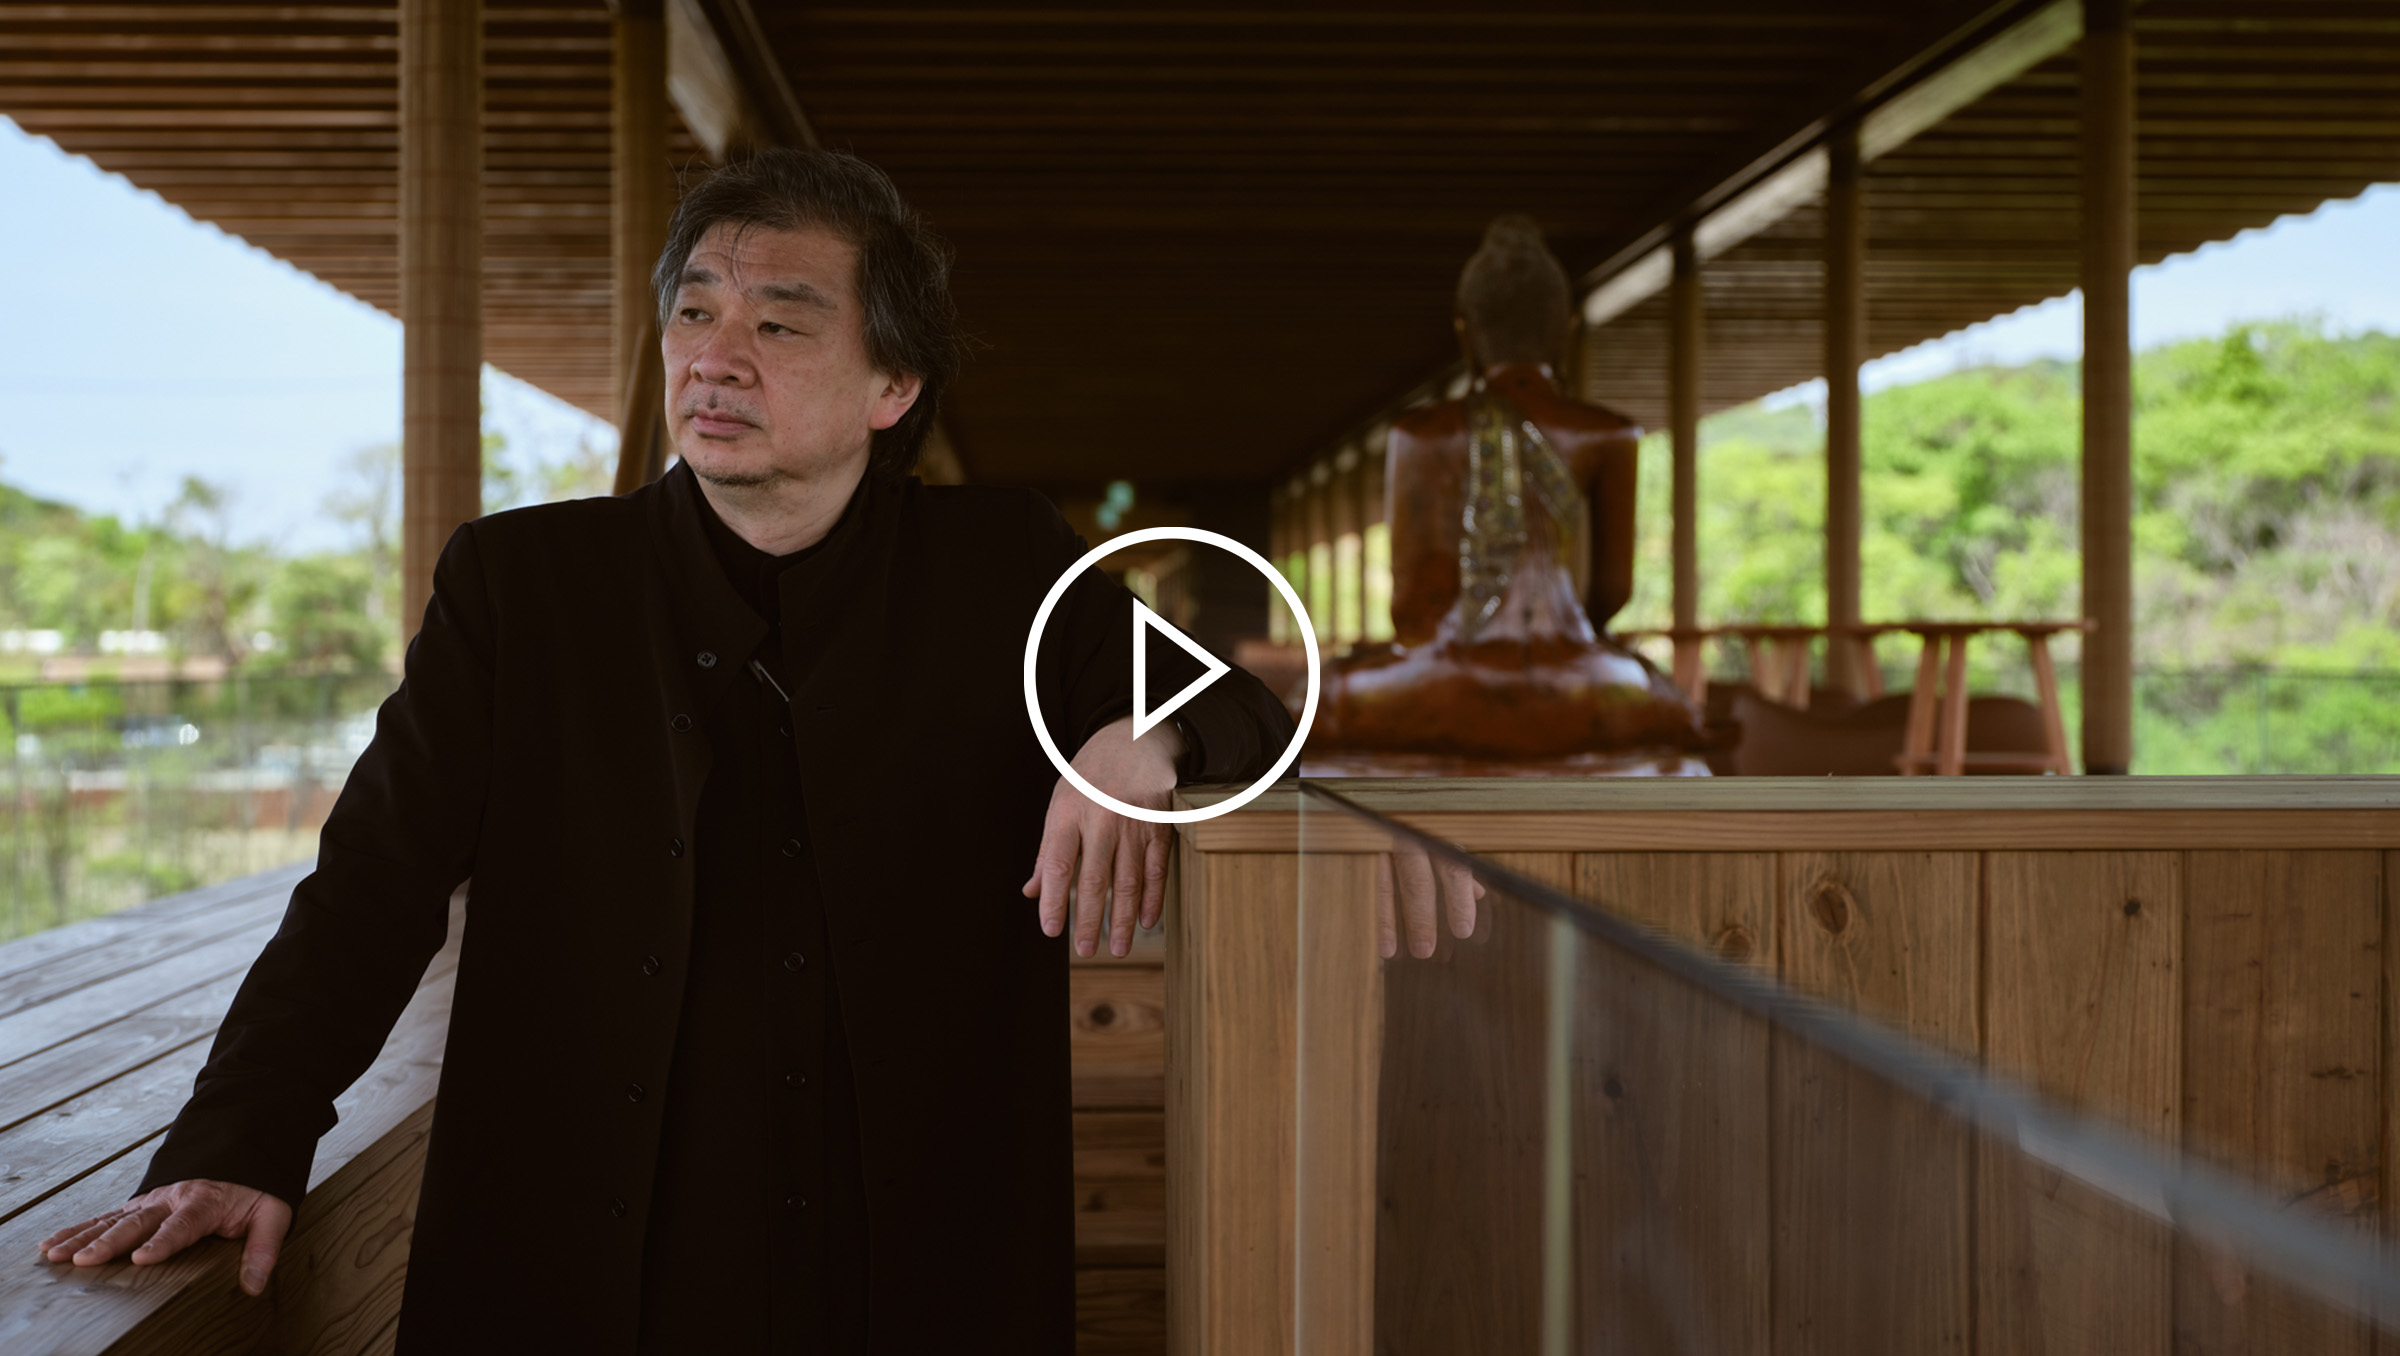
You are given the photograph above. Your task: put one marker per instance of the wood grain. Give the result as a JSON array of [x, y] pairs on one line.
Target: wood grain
[[1872, 1186], [1233, 953], [1673, 1136], [2282, 1017], [2064, 828], [45, 949], [32, 1030], [1341, 1054], [1120, 1188], [1457, 1256], [1117, 1035], [2083, 1001], [1120, 1311]]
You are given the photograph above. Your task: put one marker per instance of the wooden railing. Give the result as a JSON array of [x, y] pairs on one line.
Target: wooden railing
[[2210, 962], [104, 1024]]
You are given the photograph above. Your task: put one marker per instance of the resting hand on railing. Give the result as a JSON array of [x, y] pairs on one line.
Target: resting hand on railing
[[158, 1224], [1411, 888], [1094, 849]]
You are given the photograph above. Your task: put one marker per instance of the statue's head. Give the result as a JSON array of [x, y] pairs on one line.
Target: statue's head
[[1514, 302]]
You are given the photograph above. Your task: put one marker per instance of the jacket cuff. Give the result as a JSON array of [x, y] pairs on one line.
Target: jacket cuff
[[266, 1143]]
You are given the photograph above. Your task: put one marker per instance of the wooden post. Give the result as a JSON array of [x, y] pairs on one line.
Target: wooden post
[[1279, 551], [441, 285], [1845, 345], [641, 197], [1322, 585], [1349, 531], [2108, 259], [1683, 422]]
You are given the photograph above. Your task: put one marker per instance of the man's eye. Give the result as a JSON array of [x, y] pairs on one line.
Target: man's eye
[[693, 313], [771, 327]]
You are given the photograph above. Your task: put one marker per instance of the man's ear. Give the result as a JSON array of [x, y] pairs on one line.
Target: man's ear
[[896, 397]]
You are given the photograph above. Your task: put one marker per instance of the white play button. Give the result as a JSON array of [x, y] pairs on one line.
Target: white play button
[[1144, 622]]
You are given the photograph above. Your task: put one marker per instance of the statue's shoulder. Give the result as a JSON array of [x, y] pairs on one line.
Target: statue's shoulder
[[1439, 423]]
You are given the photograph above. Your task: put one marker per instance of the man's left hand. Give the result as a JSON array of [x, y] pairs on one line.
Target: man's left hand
[[1097, 850]]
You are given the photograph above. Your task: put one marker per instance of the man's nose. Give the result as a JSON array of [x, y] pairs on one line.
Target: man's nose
[[723, 359]]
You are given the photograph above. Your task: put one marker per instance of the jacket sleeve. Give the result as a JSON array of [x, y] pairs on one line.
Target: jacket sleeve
[[1084, 671], [322, 997]]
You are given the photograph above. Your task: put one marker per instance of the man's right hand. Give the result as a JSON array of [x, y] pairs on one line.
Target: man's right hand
[[158, 1224]]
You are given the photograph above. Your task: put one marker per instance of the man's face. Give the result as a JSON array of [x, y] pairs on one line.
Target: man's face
[[767, 371]]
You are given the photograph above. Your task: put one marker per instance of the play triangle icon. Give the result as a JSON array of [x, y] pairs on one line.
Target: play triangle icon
[[1144, 622]]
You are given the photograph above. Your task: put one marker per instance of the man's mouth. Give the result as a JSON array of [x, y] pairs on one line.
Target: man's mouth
[[717, 423]]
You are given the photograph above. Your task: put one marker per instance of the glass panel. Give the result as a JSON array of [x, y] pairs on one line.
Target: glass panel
[[1530, 1125]]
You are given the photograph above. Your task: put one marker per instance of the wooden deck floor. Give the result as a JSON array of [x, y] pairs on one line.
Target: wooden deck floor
[[103, 1025]]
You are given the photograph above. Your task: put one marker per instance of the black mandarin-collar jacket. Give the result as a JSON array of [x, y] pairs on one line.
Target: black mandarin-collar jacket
[[539, 744]]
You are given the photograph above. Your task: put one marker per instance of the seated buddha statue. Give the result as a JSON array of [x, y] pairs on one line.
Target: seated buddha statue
[[1493, 499]]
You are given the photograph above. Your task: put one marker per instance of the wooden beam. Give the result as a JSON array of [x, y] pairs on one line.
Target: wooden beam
[[642, 196], [441, 284], [2108, 261], [1683, 421], [706, 86], [1845, 341]]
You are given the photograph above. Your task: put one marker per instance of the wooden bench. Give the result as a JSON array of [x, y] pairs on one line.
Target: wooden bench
[[104, 1024]]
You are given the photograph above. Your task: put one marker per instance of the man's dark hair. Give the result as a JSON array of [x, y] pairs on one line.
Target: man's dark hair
[[903, 277]]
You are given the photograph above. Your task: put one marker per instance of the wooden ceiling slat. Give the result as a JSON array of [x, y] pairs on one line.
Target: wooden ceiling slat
[[1158, 207]]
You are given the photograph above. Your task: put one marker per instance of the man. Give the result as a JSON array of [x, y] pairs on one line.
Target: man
[[750, 1049]]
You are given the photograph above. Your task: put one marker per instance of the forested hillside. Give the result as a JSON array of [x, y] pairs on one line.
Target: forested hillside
[[2267, 535]]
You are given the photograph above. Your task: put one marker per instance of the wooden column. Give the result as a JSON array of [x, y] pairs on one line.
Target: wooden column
[[441, 284], [1279, 551], [2108, 259], [1845, 346], [1375, 598], [1683, 423], [1349, 530], [642, 196]]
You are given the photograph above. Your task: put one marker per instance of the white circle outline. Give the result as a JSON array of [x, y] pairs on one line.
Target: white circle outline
[[1033, 646]]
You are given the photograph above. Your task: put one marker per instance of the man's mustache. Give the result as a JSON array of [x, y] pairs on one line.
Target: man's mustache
[[718, 408]]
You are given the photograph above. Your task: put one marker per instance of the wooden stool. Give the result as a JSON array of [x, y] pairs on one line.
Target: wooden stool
[[1946, 707]]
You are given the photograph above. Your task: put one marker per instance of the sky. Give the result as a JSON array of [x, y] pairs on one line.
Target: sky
[[140, 347]]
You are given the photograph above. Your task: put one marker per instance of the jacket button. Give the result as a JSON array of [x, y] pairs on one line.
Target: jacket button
[[795, 1201], [633, 1092], [708, 659], [681, 723], [617, 1208], [784, 730], [650, 965], [674, 847], [795, 1079], [792, 847], [794, 961]]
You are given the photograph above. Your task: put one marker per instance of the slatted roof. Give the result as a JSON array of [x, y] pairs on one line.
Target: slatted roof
[[281, 124], [1199, 245], [2247, 110]]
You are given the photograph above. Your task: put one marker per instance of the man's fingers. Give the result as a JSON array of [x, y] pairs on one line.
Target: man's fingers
[[183, 1224], [269, 1221], [1460, 891], [1125, 900], [1387, 932], [1053, 867], [60, 1246], [1412, 873], [120, 1237], [1091, 882], [1154, 875]]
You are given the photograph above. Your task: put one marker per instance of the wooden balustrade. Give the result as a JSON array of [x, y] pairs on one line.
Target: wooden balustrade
[[2207, 961]]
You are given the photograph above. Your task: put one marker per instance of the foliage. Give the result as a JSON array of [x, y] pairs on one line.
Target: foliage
[[2266, 536]]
